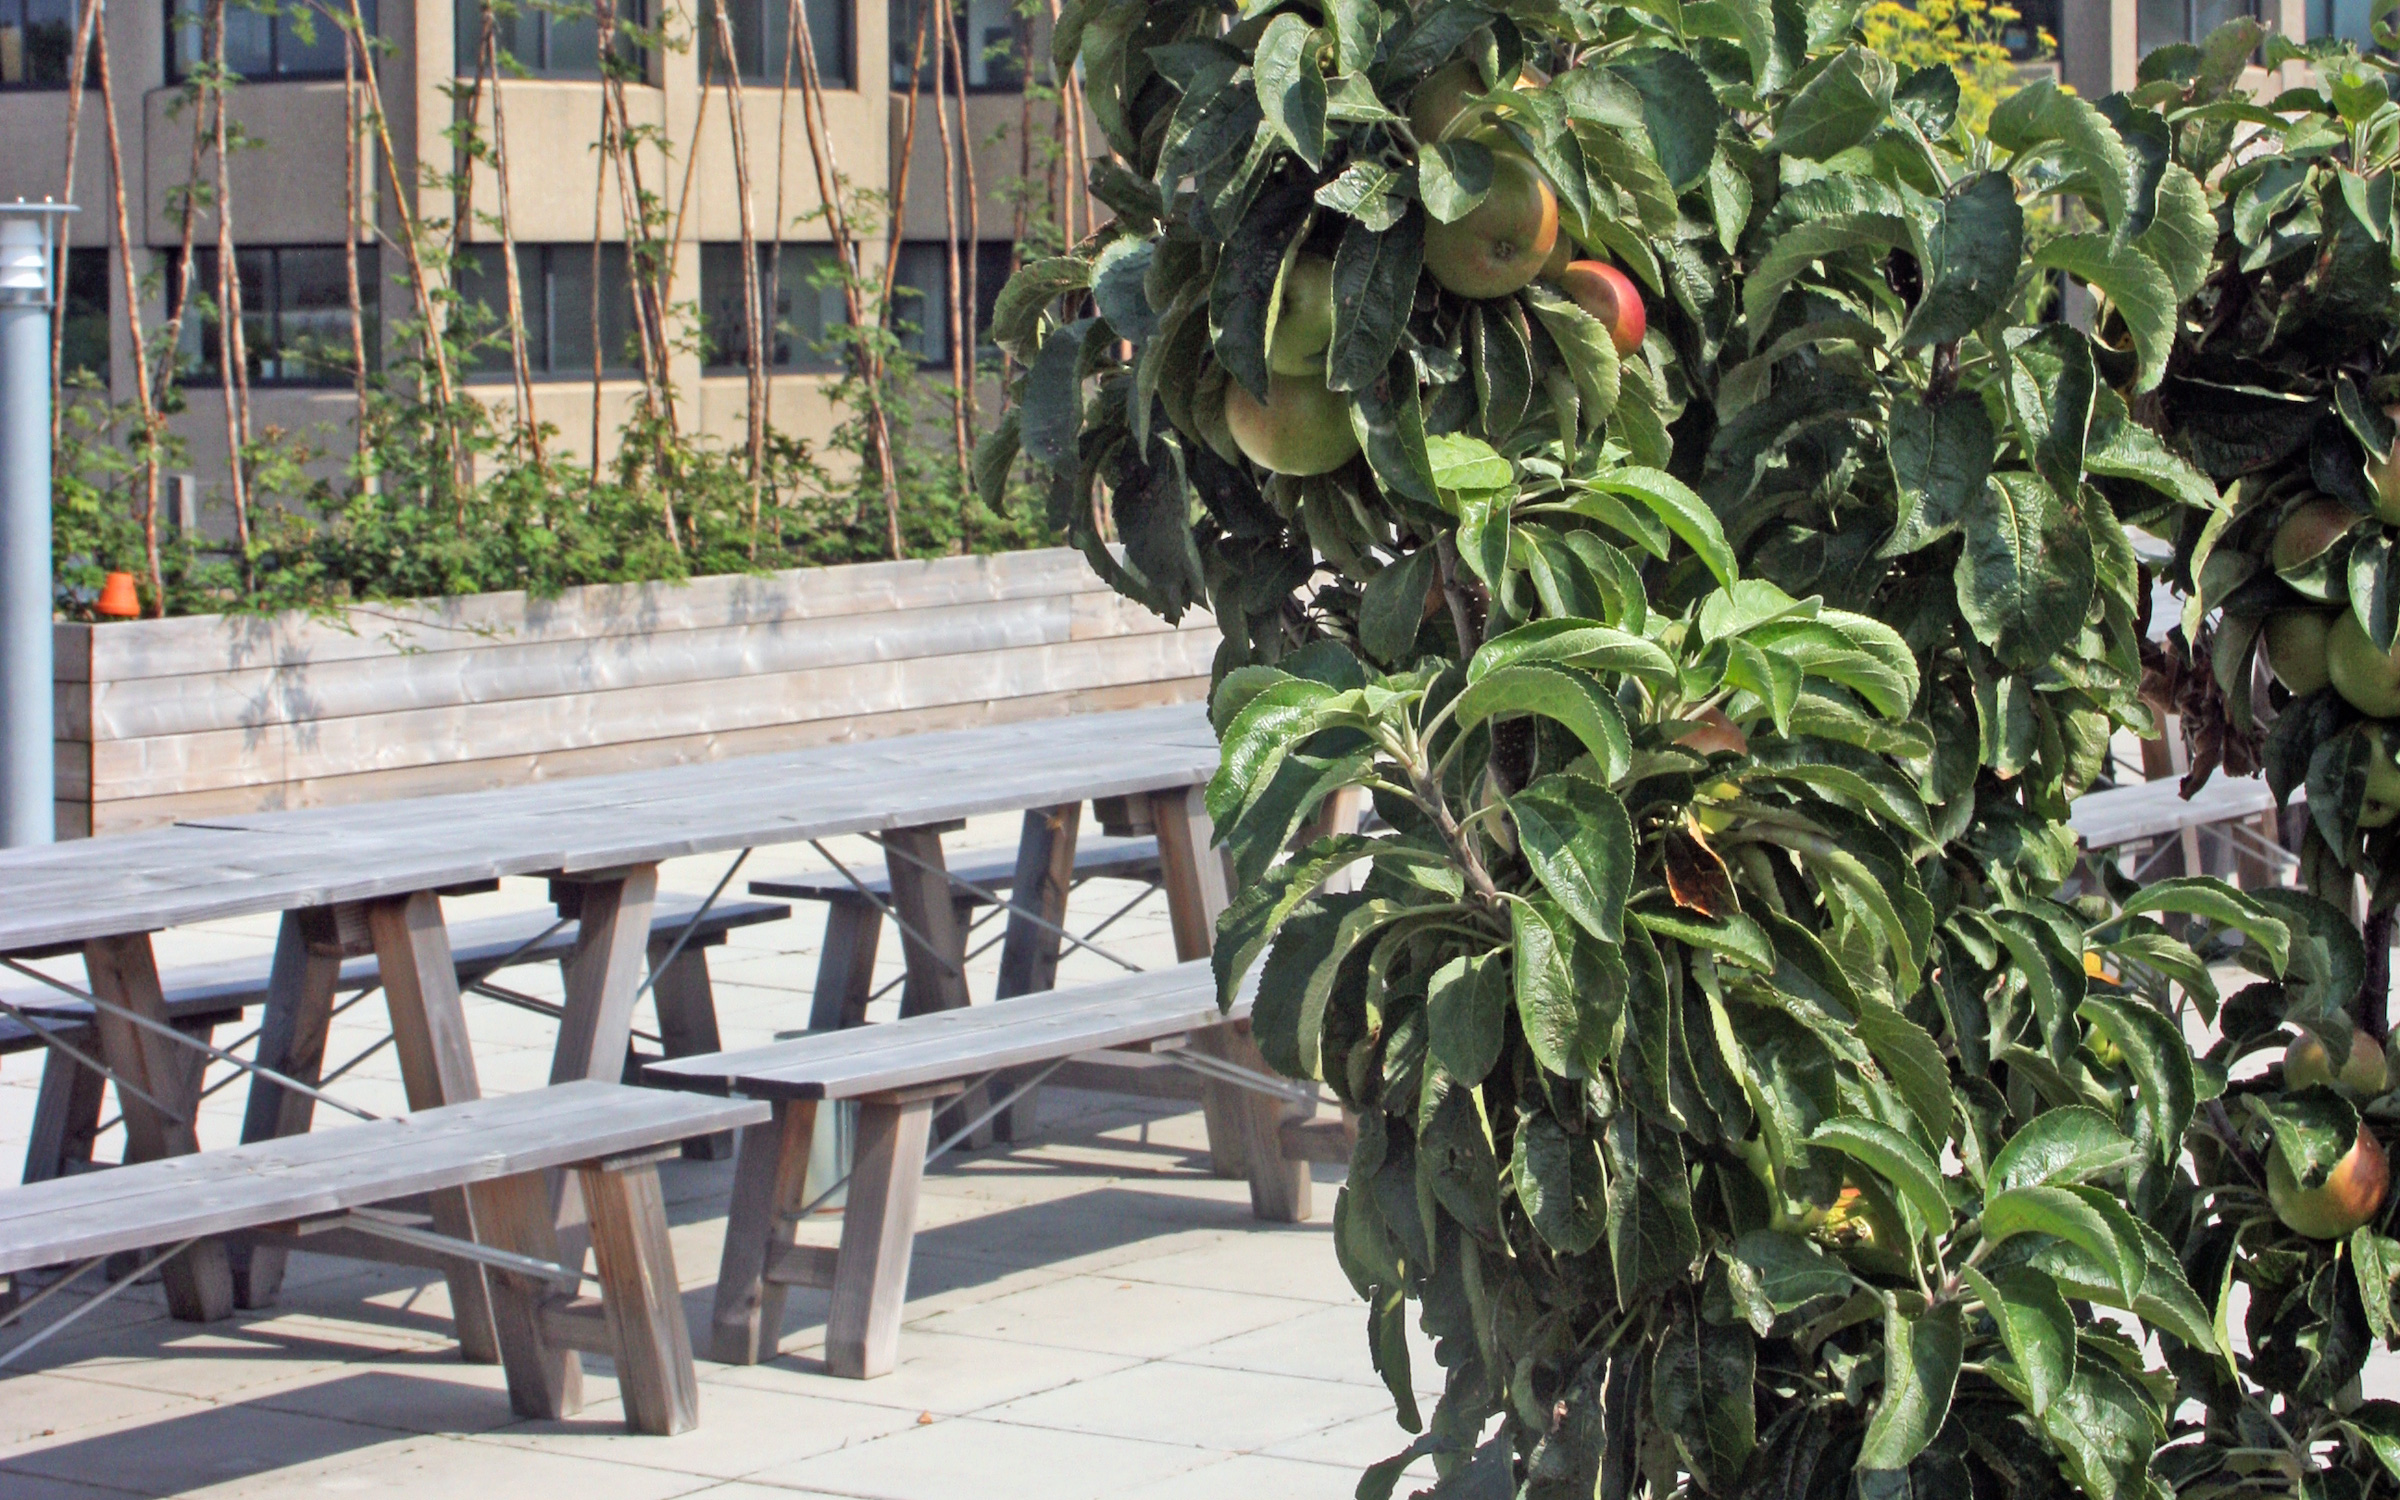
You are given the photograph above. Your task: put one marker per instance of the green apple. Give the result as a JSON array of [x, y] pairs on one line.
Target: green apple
[[2301, 542], [1303, 318], [2308, 1063], [2368, 678], [2347, 1199], [1301, 428], [1499, 246], [2295, 642]]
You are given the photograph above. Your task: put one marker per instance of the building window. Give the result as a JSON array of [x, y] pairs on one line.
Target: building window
[[807, 298], [2347, 19], [990, 33], [2035, 20], [921, 294], [302, 42], [295, 314], [763, 41], [37, 43], [546, 38], [2162, 23], [84, 294], [554, 283]]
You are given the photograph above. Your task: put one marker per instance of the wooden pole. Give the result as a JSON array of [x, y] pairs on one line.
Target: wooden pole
[[529, 430], [78, 64], [129, 283], [946, 43], [233, 352], [354, 192]]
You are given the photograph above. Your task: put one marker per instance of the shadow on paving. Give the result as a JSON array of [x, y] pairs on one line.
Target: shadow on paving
[[166, 1456]]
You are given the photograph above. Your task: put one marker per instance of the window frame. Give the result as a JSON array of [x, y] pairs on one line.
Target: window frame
[[91, 64], [937, 73], [204, 373], [992, 259], [106, 310], [2187, 33], [772, 78], [614, 366], [639, 59], [276, 73], [806, 359]]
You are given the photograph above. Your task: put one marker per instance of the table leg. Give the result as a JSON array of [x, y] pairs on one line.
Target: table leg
[[66, 1114], [291, 1040], [612, 942], [687, 1023], [437, 1067], [545, 1379], [640, 1298], [846, 968], [1029, 951], [124, 972], [926, 905]]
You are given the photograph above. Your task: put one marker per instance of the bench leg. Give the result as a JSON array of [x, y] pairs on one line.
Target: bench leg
[[687, 1023], [1197, 892], [879, 1229], [1028, 950], [124, 972], [640, 1298], [291, 1040], [66, 1114], [437, 1066], [770, 1170], [545, 1380], [846, 967], [1280, 1188]]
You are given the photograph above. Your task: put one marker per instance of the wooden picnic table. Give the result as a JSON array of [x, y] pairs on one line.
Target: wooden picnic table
[[368, 878]]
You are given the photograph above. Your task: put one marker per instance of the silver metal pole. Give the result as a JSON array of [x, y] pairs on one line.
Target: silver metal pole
[[27, 285]]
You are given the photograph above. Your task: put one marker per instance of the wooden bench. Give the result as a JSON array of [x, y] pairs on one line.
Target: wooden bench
[[313, 1192], [896, 1072], [203, 996], [2156, 811], [855, 911]]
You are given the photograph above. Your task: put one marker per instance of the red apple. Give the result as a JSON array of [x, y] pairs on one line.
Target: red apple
[[1609, 295]]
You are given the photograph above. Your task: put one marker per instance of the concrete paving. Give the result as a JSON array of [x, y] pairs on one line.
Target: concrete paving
[[1092, 1314]]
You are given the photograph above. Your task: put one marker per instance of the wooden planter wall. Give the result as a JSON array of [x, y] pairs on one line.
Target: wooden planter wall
[[200, 716]]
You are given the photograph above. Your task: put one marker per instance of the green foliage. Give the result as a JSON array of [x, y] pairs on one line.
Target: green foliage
[[1745, 1104]]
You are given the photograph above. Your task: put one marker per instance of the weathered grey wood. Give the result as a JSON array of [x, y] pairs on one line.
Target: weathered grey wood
[[805, 1265], [596, 1030], [132, 814], [437, 1067], [1129, 1073], [579, 1323], [1047, 862], [1093, 859], [123, 972], [846, 965], [687, 1019], [641, 1300], [770, 1171], [1196, 887], [66, 1114], [1328, 1140], [272, 862], [933, 942], [545, 1381], [291, 1040], [347, 1166], [964, 1043], [407, 737], [879, 1231]]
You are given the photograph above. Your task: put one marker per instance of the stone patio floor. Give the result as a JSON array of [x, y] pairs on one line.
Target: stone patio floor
[[1093, 1314]]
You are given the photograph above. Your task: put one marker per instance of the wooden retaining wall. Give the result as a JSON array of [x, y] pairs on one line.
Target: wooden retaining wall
[[181, 718]]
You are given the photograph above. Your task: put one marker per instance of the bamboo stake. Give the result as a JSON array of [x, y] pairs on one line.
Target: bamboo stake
[[419, 284], [908, 155], [945, 28], [820, 148], [648, 311], [153, 422], [528, 429], [753, 366], [604, 22], [233, 351], [58, 307], [354, 192], [974, 299]]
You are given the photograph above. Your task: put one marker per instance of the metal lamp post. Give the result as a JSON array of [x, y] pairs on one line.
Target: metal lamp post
[[28, 286]]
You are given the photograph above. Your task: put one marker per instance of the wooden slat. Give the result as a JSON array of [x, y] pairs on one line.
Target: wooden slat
[[134, 814], [212, 643], [275, 861], [345, 1166], [957, 1044], [1097, 858], [276, 752], [804, 1265], [2153, 809], [508, 670]]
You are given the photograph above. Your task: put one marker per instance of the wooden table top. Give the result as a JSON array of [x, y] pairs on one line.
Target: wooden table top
[[277, 861]]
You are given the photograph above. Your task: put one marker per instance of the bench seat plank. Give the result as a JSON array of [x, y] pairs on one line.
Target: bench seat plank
[[1097, 858], [963, 1043], [214, 1192]]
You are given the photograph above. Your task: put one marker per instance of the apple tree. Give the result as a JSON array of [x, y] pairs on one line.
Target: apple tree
[[1629, 441]]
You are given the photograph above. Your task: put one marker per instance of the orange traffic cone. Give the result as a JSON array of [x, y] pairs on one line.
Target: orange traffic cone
[[117, 598]]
